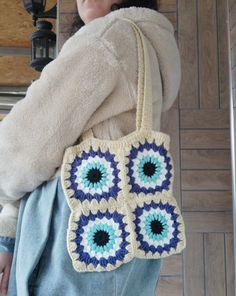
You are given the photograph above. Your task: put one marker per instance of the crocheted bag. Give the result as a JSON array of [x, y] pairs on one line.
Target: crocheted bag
[[120, 191]]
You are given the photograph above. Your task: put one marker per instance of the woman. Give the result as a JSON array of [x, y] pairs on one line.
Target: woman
[[91, 84]]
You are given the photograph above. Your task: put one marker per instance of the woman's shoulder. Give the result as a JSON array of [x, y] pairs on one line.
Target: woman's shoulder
[[111, 34], [101, 28], [116, 32], [113, 21]]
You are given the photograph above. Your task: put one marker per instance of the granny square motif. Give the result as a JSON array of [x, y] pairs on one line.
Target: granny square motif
[[98, 174], [120, 192], [149, 168]]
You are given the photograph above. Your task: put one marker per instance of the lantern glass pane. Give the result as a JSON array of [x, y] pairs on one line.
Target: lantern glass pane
[[51, 51], [40, 47], [33, 51]]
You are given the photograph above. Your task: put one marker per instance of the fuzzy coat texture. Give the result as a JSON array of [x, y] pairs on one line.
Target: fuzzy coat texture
[[92, 83]]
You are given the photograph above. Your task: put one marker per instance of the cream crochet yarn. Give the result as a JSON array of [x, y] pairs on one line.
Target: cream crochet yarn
[[120, 192]]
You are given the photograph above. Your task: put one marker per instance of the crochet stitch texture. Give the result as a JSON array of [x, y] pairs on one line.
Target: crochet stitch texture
[[120, 192]]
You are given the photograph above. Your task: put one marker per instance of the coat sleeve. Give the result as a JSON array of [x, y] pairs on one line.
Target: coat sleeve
[[51, 117], [8, 223]]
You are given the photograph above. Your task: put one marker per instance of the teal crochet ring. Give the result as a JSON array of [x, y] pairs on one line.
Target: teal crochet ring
[[94, 175], [150, 168], [157, 227], [101, 239]]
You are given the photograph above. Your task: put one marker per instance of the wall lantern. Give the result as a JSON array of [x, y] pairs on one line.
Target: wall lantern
[[43, 45], [43, 41]]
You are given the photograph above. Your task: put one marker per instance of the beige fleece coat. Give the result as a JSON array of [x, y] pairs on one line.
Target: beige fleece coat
[[91, 83]]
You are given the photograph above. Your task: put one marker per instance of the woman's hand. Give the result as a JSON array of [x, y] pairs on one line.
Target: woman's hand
[[5, 267]]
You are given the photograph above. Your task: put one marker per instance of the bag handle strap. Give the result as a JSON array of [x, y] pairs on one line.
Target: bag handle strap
[[144, 116], [144, 100]]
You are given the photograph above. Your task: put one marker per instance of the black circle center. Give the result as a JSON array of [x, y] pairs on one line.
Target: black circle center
[[156, 227], [94, 175], [149, 169], [101, 238]]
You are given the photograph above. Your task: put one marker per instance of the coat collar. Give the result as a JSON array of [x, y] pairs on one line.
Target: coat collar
[[141, 14], [158, 30], [136, 14]]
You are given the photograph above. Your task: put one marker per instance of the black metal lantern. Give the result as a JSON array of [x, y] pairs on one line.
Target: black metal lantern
[[43, 40], [43, 45], [35, 6], [36, 9]]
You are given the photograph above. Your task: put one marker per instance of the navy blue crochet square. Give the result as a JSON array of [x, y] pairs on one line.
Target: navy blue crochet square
[[149, 168], [101, 238], [94, 175], [156, 227]]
